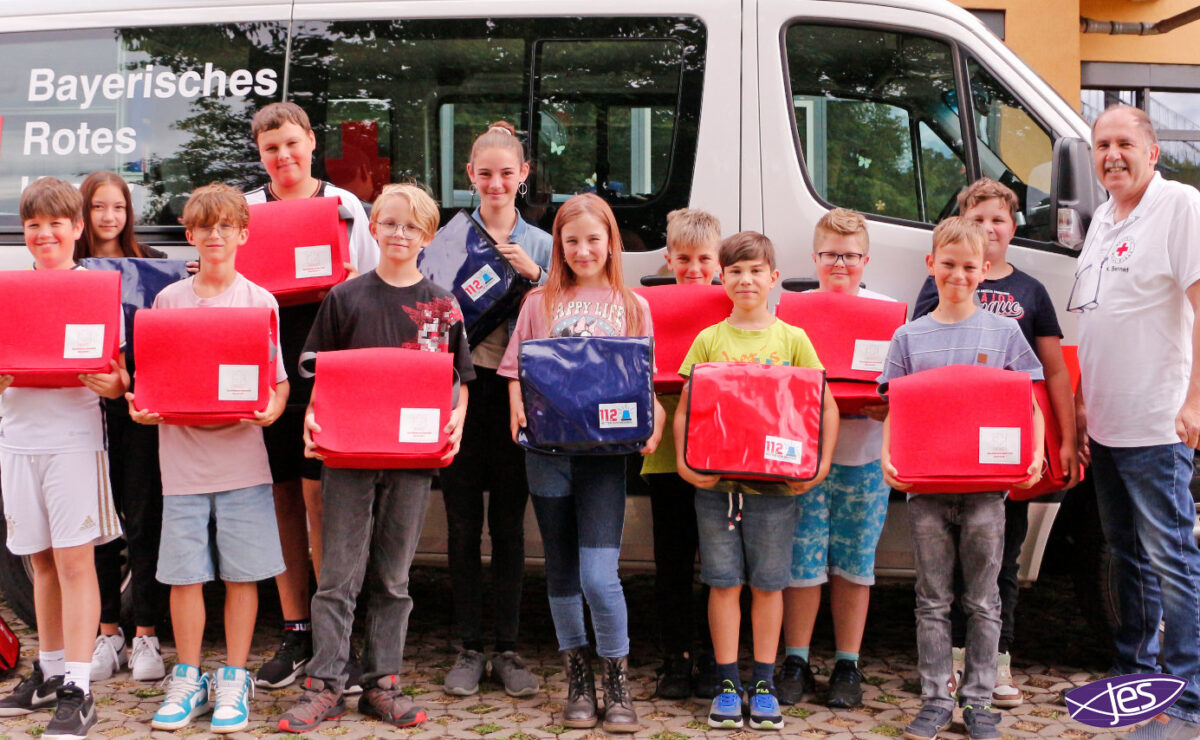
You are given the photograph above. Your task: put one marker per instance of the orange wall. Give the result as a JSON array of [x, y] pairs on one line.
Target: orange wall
[[1181, 46]]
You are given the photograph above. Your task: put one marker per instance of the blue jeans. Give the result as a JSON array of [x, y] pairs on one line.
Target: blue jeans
[[580, 507], [1147, 512]]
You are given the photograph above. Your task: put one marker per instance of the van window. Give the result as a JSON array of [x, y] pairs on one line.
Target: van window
[[876, 119], [168, 108], [605, 105]]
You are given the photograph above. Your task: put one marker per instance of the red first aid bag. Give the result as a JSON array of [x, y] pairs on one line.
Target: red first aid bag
[[679, 313], [297, 248], [57, 325], [203, 366], [383, 408], [10, 647], [961, 429], [1055, 476], [755, 422], [851, 335]]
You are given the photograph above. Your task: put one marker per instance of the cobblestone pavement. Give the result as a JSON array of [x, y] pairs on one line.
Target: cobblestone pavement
[[1054, 651]]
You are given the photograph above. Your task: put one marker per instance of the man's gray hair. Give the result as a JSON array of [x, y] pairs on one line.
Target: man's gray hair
[[1140, 118]]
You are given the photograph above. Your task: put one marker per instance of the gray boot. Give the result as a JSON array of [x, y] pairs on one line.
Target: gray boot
[[619, 714], [580, 707]]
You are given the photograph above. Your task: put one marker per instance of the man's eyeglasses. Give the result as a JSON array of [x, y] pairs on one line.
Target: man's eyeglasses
[[849, 259], [222, 230], [408, 231]]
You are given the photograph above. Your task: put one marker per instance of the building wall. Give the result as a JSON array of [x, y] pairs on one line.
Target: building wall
[[1181, 46]]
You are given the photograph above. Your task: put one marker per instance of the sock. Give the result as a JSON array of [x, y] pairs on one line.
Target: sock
[[843, 655], [53, 663], [729, 672], [801, 652], [505, 646], [79, 674], [297, 625], [763, 672]]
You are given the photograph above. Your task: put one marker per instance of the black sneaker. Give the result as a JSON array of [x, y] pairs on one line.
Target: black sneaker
[[33, 692], [706, 676], [289, 661], [794, 680], [674, 678], [845, 685], [74, 716]]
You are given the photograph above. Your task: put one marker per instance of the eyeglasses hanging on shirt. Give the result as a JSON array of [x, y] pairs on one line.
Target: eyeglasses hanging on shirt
[[1085, 293]]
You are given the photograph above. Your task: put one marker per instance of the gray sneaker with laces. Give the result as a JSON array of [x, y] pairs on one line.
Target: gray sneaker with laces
[[463, 678], [508, 669]]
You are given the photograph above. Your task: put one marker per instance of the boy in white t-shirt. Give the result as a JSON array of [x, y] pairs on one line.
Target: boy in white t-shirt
[[839, 521], [215, 473], [57, 502]]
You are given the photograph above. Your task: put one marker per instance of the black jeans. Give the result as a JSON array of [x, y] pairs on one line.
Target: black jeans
[[1016, 526], [137, 493], [672, 504], [488, 460]]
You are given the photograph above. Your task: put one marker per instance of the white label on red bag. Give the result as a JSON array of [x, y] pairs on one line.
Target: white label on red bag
[[420, 425], [869, 355], [781, 449], [999, 445], [481, 282], [237, 382], [314, 262], [83, 342], [618, 415]]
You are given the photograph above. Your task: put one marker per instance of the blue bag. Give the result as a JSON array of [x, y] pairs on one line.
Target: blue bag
[[141, 281], [587, 395], [463, 259]]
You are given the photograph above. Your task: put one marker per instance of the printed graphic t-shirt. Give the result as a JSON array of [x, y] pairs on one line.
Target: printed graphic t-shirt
[[1018, 296]]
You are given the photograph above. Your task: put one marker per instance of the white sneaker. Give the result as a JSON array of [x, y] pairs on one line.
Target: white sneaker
[[108, 655], [145, 659], [1006, 695]]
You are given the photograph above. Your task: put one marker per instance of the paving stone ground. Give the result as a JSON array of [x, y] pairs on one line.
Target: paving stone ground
[[1054, 651]]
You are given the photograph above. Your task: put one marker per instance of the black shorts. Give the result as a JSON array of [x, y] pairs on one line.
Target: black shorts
[[285, 448]]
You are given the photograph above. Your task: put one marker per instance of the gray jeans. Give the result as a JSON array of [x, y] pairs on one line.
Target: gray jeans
[[970, 528], [371, 523]]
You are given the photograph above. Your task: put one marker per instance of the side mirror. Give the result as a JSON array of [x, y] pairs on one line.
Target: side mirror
[[1074, 191]]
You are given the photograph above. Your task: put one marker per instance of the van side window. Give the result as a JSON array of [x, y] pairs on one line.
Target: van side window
[[605, 105], [167, 107], [876, 119]]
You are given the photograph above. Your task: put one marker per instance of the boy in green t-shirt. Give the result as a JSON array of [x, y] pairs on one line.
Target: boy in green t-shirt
[[748, 539]]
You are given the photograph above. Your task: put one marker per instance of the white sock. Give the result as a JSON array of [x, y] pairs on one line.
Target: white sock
[[79, 674], [52, 662]]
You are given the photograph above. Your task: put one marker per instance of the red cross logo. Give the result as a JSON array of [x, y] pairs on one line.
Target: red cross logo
[[1121, 250]]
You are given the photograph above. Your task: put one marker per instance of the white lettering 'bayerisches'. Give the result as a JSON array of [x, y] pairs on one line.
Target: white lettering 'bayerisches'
[[45, 84]]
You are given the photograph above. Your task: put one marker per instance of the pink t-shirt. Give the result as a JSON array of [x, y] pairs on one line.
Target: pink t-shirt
[[587, 312], [224, 458]]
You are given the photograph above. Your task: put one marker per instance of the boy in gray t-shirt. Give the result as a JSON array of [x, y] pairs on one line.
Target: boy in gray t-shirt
[[957, 333]]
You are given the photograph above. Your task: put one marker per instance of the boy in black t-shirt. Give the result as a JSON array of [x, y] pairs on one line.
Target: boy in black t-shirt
[[392, 306], [1007, 291]]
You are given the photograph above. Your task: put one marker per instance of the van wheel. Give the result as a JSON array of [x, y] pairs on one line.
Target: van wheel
[[1093, 572]]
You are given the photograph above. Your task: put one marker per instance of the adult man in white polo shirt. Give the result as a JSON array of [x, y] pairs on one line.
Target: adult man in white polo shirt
[[1138, 288]]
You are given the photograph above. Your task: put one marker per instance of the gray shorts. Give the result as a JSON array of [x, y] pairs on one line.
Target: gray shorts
[[756, 550], [247, 540]]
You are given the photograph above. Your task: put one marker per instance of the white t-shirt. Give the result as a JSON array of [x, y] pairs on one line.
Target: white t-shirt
[[364, 251], [860, 439], [214, 459], [1135, 346]]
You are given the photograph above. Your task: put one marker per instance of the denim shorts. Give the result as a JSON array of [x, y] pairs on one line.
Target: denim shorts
[[839, 526], [757, 549], [247, 537]]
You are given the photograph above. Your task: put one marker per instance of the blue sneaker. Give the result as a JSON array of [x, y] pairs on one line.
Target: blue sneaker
[[726, 710], [232, 710], [187, 698], [764, 707]]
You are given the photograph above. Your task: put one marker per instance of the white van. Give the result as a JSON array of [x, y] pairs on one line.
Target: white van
[[764, 112]]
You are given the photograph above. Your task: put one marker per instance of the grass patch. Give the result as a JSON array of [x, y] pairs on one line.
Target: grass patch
[[481, 708], [874, 680], [518, 735], [554, 729], [411, 690], [37, 730], [668, 735], [697, 725], [887, 730], [487, 729], [147, 693], [798, 712], [888, 698]]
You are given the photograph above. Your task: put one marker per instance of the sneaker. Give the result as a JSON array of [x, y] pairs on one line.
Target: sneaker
[[981, 724], [957, 662], [188, 697], [108, 656], [145, 659], [794, 680], [763, 707], [508, 669], [231, 710], [931, 720], [845, 685], [74, 715], [316, 705], [1006, 695], [726, 710], [463, 678], [674, 678], [354, 674], [387, 702], [33, 692], [706, 676], [288, 662]]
